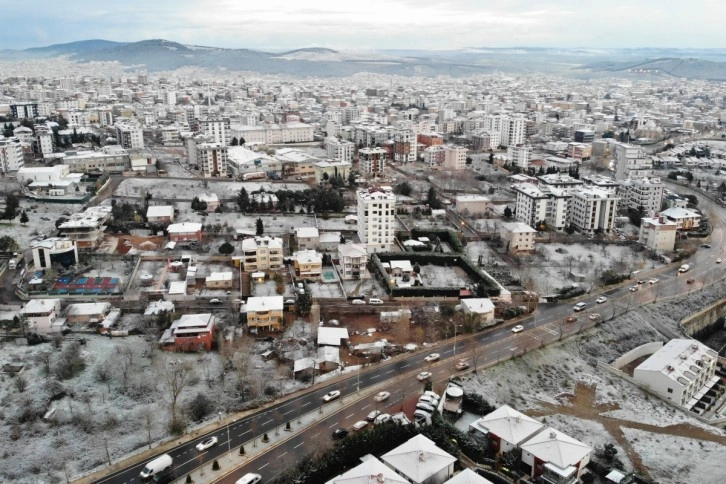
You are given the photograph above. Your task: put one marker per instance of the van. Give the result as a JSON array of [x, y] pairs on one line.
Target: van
[[579, 306], [375, 301], [156, 466], [249, 478], [425, 407]]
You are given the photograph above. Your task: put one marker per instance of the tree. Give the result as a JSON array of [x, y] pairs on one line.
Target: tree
[[243, 200], [8, 244], [8, 130], [326, 177], [403, 188], [234, 142], [305, 300], [491, 158], [226, 248], [176, 377], [432, 199], [351, 179], [507, 212], [260, 228], [198, 205], [469, 160], [12, 202], [241, 141]]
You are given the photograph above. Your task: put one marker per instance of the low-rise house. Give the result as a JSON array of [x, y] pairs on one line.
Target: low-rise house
[[332, 336], [329, 241], [352, 259], [308, 264], [307, 237], [262, 253], [468, 476], [504, 429], [472, 204], [480, 310], [157, 307], [420, 461], [370, 471], [54, 251], [211, 200], [160, 214], [685, 219], [191, 332], [555, 457], [185, 231], [517, 237], [85, 313], [41, 314], [219, 280], [658, 234], [265, 312]]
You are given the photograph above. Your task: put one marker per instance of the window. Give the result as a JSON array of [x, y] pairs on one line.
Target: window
[[670, 390]]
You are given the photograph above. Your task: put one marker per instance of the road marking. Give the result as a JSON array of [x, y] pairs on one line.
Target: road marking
[[283, 454], [375, 376], [305, 404], [298, 445], [390, 371], [289, 411], [263, 466], [334, 425], [349, 416], [404, 366], [366, 406], [267, 421]]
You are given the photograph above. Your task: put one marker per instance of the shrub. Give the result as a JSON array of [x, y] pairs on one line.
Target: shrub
[[215, 465]]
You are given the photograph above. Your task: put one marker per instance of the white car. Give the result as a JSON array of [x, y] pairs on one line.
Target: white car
[[424, 375], [518, 329], [381, 419], [594, 316], [601, 299], [206, 443], [358, 301], [633, 288], [579, 306], [330, 396], [372, 416], [380, 396], [432, 357], [375, 301], [718, 261], [654, 281], [360, 425], [215, 301]]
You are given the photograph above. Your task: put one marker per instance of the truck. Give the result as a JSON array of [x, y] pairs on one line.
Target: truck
[[156, 466], [684, 268]]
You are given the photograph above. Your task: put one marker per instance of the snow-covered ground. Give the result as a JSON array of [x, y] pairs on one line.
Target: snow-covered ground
[[188, 189]]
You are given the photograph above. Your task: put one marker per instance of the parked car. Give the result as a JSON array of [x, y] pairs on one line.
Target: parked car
[[430, 400], [518, 329], [358, 301], [206, 443], [641, 281], [425, 407], [380, 396], [372, 415], [215, 301], [432, 357], [654, 281], [340, 433], [432, 394], [375, 301], [705, 246], [601, 299], [381, 419], [718, 261], [332, 395], [360, 425], [424, 375], [249, 478], [419, 414]]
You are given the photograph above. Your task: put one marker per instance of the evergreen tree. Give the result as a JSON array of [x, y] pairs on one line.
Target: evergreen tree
[[24, 217], [507, 212], [260, 229], [243, 200], [234, 142]]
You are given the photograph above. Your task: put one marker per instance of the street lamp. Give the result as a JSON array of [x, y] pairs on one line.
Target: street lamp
[[357, 378]]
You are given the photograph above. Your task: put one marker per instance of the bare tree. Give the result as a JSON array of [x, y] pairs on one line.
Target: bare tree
[[125, 361], [146, 415], [176, 376]]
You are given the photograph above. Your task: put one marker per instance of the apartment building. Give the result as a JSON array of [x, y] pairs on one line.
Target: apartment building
[[41, 314], [217, 130], [474, 205], [372, 161], [454, 158], [45, 141], [86, 229], [307, 237], [512, 130], [517, 237], [308, 264], [352, 259], [264, 312], [646, 192], [331, 168], [296, 162], [430, 139], [339, 149], [685, 219], [212, 159], [111, 159], [376, 210], [191, 332], [267, 134], [536, 204], [519, 155], [606, 183], [262, 253], [658, 234], [631, 162], [681, 371], [434, 156], [130, 135], [404, 146], [592, 209], [579, 151], [11, 155]]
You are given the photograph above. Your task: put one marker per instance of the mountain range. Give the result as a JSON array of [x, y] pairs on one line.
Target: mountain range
[[165, 55]]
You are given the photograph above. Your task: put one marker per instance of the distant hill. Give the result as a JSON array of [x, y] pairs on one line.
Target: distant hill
[[162, 55]]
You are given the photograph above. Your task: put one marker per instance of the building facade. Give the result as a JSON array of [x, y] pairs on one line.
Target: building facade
[[262, 253], [376, 209]]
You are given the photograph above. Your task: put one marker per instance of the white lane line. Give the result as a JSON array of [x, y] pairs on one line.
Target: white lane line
[[298, 445], [289, 411], [390, 371], [334, 425], [283, 454], [349, 416], [375, 376], [263, 466], [366, 406], [267, 421], [305, 404]]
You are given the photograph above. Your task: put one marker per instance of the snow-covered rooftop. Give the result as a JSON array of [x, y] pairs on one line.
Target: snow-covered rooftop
[[509, 424], [552, 446], [418, 458], [331, 336], [264, 303]]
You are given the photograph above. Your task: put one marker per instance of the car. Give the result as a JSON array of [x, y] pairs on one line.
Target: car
[[382, 418], [594, 316], [429, 400], [705, 246], [360, 425], [432, 357], [432, 394], [633, 288], [641, 281], [579, 306], [380, 396], [215, 301], [372, 416], [249, 478], [690, 281], [718, 261], [424, 375], [654, 281], [571, 319], [164, 477], [358, 301], [462, 365], [331, 395], [207, 443], [375, 301], [290, 302], [601, 299], [340, 433], [518, 329], [419, 414]]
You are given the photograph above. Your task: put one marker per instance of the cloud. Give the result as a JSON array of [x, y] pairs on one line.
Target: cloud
[[379, 24]]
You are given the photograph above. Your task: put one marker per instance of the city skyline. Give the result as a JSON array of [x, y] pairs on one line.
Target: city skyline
[[373, 25]]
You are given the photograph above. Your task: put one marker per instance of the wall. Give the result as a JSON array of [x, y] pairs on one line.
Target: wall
[[635, 353], [703, 318]]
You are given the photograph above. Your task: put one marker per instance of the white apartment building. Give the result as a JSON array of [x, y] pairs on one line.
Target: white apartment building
[[129, 135], [212, 159], [86, 229], [352, 259], [542, 203], [376, 218], [454, 157], [11, 155], [519, 155], [434, 155], [339, 149], [658, 234], [604, 182], [404, 146], [631, 162], [216, 130], [294, 132], [372, 161], [643, 192], [592, 209], [262, 253], [472, 204], [512, 130], [44, 141], [682, 371], [517, 237]]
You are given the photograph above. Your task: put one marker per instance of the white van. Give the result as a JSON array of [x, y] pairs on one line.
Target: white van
[[153, 467], [375, 301], [579, 306], [249, 478]]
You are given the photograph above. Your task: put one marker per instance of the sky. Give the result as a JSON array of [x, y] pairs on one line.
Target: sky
[[369, 24]]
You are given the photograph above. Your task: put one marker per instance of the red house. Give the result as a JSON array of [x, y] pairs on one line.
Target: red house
[[191, 332], [185, 231]]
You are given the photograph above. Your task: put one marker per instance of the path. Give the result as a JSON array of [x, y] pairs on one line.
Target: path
[[583, 406]]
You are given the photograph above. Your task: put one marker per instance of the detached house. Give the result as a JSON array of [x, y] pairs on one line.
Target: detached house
[[41, 314], [555, 457], [191, 332]]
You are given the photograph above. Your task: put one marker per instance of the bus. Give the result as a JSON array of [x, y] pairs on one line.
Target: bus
[[257, 175]]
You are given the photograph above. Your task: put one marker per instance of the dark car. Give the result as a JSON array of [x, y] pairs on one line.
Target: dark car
[[164, 477], [340, 433]]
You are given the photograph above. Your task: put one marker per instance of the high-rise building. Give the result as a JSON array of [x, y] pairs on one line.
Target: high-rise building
[[372, 161], [592, 209], [645, 193], [216, 129], [130, 135], [454, 157], [631, 162], [404, 146], [24, 110], [11, 155], [512, 131], [212, 159], [376, 218], [338, 149], [519, 155]]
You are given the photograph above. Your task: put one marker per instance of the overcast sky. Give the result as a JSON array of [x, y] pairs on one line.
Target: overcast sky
[[369, 24]]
